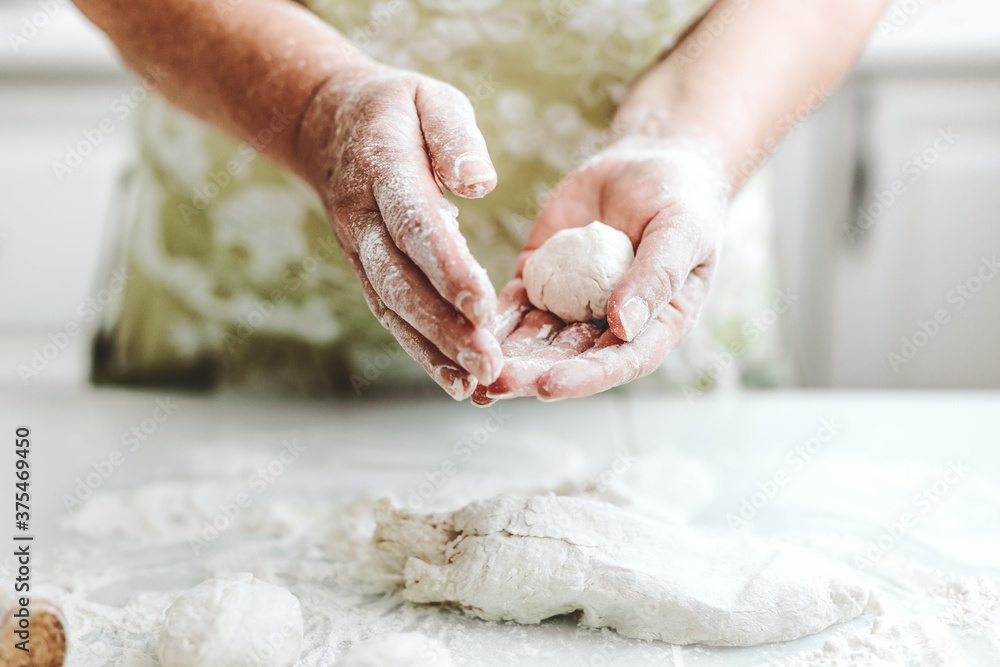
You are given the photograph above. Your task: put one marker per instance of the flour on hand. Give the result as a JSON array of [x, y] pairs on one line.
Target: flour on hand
[[574, 272], [232, 622], [525, 560]]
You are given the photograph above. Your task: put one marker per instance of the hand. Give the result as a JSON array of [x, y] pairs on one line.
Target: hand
[[376, 142], [668, 196]]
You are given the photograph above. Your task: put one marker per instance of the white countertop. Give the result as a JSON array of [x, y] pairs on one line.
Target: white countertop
[[886, 447]]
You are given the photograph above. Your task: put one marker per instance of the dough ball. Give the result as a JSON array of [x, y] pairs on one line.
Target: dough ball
[[232, 622], [399, 649], [573, 273]]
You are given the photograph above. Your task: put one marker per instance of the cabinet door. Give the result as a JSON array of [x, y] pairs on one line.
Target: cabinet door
[[888, 207], [916, 293]]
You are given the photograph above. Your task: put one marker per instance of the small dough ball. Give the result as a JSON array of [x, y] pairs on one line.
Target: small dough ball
[[573, 273], [232, 622], [399, 649]]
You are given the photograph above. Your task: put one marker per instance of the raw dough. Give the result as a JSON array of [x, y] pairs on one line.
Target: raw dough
[[399, 649], [574, 272], [526, 559], [232, 622]]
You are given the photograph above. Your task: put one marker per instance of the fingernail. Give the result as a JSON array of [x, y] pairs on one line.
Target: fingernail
[[474, 310], [471, 170], [454, 382], [633, 316], [477, 364]]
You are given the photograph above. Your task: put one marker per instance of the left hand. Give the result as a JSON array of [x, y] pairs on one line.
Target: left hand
[[668, 196]]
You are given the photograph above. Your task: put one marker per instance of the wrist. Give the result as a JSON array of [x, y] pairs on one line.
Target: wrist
[[644, 136], [319, 120], [658, 106]]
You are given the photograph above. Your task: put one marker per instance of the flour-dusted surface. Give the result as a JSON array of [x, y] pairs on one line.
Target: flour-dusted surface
[[233, 621], [398, 649], [309, 530], [528, 559]]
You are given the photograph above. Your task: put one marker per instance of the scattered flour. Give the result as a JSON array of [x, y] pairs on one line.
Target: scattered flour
[[156, 513], [400, 649], [116, 589], [893, 637], [235, 621]]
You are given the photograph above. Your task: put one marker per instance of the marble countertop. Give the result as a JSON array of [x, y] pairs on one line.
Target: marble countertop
[[851, 463]]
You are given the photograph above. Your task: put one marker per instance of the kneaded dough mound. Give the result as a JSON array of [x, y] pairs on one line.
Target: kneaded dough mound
[[526, 559], [573, 273], [232, 622]]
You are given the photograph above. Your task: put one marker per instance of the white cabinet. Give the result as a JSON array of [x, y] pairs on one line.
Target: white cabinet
[[889, 211], [58, 88]]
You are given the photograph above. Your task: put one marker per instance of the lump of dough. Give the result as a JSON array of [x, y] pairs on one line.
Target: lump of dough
[[399, 649], [574, 272], [232, 622], [527, 559]]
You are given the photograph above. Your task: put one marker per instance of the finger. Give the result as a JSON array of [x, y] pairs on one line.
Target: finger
[[404, 290], [512, 305], [520, 374], [422, 224], [456, 381], [456, 146], [521, 355], [613, 362], [480, 399], [671, 247]]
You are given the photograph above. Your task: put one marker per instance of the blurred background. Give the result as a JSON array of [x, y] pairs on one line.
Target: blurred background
[[885, 204]]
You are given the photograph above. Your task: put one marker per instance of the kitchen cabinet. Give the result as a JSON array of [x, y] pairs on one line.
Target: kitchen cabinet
[[888, 208]]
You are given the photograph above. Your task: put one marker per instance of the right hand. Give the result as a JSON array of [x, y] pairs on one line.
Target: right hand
[[375, 142]]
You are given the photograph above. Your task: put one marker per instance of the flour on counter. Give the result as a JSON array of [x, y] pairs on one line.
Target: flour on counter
[[893, 637], [115, 590], [233, 621], [511, 558], [398, 649], [156, 513]]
